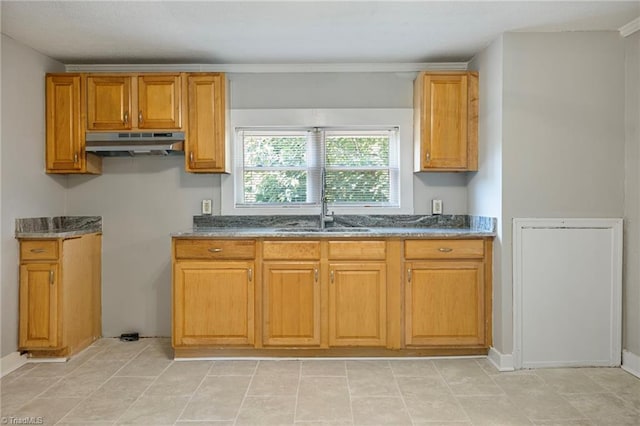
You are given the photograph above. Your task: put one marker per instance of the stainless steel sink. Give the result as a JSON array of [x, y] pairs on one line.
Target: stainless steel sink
[[298, 229], [347, 230], [333, 230]]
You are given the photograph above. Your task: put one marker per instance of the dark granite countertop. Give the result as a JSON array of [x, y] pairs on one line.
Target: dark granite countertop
[[351, 226], [57, 227]]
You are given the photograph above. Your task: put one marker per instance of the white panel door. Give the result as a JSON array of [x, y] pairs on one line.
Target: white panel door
[[567, 290]]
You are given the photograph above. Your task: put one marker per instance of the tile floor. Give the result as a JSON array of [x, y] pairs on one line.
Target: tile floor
[[137, 383]]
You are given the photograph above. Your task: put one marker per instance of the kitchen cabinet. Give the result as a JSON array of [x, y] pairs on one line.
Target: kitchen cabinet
[[112, 105], [447, 302], [331, 296], [60, 294], [446, 121], [291, 293], [213, 292], [206, 148], [65, 141], [357, 293]]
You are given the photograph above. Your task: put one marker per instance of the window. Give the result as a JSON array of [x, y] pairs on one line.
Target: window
[[284, 167]]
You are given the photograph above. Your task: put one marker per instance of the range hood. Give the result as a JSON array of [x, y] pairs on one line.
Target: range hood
[[121, 144]]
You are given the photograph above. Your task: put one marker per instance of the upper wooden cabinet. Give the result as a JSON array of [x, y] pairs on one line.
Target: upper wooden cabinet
[[64, 114], [205, 150], [111, 104], [446, 121]]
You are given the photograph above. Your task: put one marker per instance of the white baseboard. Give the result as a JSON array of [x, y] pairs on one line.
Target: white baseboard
[[11, 362], [501, 361], [631, 363]]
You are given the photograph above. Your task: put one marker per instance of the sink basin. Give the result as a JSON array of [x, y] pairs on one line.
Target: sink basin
[[298, 229], [338, 230], [347, 230]]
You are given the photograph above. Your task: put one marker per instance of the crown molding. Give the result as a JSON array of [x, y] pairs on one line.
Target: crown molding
[[271, 68], [630, 28]]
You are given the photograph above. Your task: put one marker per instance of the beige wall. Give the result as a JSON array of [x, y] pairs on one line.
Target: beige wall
[[485, 185], [631, 290], [562, 138], [26, 190]]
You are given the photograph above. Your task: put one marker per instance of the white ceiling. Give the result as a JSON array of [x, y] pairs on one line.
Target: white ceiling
[[268, 32]]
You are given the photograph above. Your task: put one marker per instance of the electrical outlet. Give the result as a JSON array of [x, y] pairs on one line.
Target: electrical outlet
[[436, 206], [206, 206]]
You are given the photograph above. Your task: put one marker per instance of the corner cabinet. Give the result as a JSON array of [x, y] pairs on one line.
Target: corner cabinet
[[446, 121], [65, 135], [60, 295], [206, 149]]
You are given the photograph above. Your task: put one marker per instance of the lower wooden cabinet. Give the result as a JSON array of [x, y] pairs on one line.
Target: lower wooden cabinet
[[331, 297], [39, 305], [447, 293], [291, 300], [60, 294], [357, 304], [213, 303], [444, 303]]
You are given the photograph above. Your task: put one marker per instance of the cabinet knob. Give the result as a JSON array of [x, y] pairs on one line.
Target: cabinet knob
[[250, 272], [215, 250], [140, 120], [409, 274], [428, 156], [315, 274], [75, 157], [37, 250], [445, 249], [51, 277], [191, 157], [331, 276], [125, 120]]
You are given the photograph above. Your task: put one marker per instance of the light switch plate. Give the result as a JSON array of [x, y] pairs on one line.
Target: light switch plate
[[436, 206], [206, 206]]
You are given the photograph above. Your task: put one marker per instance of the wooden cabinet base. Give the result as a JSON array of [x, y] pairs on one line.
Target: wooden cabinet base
[[63, 352], [222, 352]]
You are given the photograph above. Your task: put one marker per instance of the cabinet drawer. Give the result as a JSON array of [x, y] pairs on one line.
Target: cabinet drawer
[[291, 250], [39, 250], [356, 250], [443, 249], [215, 249]]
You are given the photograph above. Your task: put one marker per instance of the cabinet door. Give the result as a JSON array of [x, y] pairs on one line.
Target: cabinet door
[[38, 305], [445, 135], [159, 102], [205, 150], [65, 139], [448, 121], [444, 303], [213, 303], [291, 303], [357, 304], [109, 103]]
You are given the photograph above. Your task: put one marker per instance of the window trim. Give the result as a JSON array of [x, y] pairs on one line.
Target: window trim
[[334, 118]]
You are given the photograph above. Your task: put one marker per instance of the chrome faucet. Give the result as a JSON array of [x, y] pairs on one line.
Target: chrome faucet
[[325, 216]]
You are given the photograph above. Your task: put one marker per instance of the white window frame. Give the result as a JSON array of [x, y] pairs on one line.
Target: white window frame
[[402, 118]]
